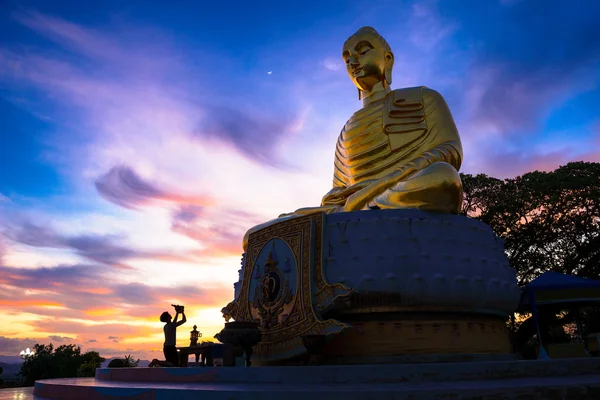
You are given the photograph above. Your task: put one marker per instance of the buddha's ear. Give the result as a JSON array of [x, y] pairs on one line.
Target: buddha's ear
[[360, 94], [389, 65]]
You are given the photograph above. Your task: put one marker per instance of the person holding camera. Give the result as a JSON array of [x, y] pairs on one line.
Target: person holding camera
[[170, 329]]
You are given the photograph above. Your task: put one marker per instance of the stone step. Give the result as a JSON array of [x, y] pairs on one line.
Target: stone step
[[584, 387], [379, 373]]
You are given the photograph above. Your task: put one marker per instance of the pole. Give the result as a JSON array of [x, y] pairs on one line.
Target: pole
[[542, 354], [582, 336]]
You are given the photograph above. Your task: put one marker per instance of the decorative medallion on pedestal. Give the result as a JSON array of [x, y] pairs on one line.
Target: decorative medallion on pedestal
[[272, 295], [284, 288]]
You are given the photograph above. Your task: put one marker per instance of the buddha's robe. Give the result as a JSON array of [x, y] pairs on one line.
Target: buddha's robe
[[402, 151]]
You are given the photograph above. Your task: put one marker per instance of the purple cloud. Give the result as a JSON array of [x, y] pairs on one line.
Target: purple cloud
[[121, 185], [73, 276], [104, 249], [255, 133], [115, 339], [60, 339], [204, 226], [2, 251], [521, 73], [13, 346], [135, 293], [135, 76], [187, 214]]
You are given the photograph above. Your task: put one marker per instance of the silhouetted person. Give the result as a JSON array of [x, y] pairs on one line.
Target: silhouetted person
[[194, 335], [170, 329]]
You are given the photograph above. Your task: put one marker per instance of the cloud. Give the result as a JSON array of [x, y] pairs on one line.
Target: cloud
[[188, 214], [60, 339], [333, 64], [520, 74], [48, 278], [95, 293], [255, 132], [2, 251], [138, 84], [104, 249], [73, 303], [206, 227], [428, 28], [123, 186], [513, 163], [115, 49], [13, 346]]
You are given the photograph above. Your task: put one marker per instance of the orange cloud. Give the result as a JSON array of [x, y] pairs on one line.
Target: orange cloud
[[97, 290], [29, 303], [101, 312]]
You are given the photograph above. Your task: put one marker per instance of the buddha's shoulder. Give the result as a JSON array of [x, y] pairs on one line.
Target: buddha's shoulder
[[415, 94]]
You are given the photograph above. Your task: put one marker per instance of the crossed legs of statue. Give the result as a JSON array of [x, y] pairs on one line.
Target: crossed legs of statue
[[434, 188]]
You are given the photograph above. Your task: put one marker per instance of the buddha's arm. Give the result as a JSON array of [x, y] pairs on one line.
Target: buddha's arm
[[447, 152], [340, 193]]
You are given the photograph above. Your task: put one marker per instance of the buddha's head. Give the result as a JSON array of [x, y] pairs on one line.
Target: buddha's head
[[369, 60]]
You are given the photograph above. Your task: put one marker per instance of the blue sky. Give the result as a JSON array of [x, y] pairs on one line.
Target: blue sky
[[139, 140]]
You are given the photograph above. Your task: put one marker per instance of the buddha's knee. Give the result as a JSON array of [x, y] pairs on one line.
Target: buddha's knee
[[435, 188], [438, 173]]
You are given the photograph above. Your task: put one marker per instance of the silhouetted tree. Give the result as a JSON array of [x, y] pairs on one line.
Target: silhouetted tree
[[549, 221], [64, 362]]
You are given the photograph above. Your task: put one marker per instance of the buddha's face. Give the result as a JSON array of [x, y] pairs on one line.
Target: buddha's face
[[366, 60]]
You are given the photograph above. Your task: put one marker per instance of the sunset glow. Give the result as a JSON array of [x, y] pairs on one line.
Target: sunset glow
[[139, 140]]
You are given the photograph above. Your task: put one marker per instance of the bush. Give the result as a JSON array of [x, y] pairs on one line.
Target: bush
[[87, 370], [130, 362], [117, 363], [127, 362]]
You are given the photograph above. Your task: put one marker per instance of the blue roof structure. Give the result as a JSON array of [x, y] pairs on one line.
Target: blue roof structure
[[555, 280], [554, 287]]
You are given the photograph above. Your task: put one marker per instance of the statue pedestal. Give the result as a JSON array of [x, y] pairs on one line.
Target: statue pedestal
[[378, 285]]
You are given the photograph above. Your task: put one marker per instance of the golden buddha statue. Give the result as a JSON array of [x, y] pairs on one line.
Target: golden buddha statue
[[400, 150]]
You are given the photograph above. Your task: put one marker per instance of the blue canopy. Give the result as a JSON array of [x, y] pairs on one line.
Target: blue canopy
[[554, 280], [554, 287]]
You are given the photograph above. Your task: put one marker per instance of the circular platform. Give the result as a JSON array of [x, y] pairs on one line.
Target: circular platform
[[564, 379]]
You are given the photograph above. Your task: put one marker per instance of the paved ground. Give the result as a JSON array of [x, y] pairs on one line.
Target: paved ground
[[17, 394]]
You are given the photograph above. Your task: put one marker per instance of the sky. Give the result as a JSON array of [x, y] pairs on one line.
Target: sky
[[139, 140]]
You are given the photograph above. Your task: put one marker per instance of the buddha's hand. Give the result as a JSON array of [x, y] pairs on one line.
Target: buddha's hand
[[360, 199], [339, 195]]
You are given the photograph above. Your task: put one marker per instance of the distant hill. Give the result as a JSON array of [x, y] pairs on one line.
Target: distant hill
[[10, 370], [11, 359]]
